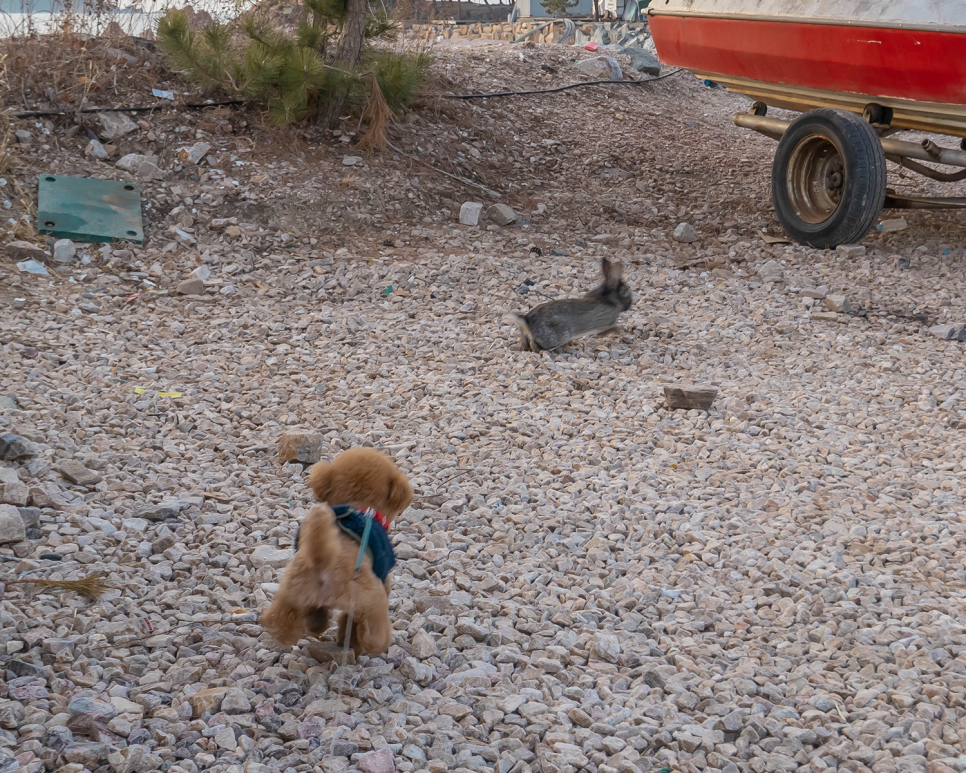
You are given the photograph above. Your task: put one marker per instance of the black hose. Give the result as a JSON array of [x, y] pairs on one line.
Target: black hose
[[202, 105], [162, 106], [561, 88]]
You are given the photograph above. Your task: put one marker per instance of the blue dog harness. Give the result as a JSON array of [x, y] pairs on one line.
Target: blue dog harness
[[356, 524]]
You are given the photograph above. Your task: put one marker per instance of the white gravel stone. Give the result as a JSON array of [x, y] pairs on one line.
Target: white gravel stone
[[11, 525], [423, 646], [601, 68], [838, 303], [64, 251], [471, 212], [685, 233], [114, 125], [891, 226]]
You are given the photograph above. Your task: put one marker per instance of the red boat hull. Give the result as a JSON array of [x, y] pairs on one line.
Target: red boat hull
[[801, 64]]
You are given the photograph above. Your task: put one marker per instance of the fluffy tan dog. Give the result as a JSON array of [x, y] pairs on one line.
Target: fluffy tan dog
[[320, 576]]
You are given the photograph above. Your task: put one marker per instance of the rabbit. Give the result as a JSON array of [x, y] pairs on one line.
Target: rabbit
[[551, 325]]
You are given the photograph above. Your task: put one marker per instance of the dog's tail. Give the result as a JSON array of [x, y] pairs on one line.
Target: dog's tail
[[318, 537]]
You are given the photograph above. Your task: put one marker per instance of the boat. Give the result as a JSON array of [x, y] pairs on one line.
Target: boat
[[859, 71]]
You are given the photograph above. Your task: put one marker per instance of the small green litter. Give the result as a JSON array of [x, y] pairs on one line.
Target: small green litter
[[387, 291], [87, 210]]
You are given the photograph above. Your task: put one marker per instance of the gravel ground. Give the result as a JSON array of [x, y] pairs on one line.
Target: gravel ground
[[587, 580]]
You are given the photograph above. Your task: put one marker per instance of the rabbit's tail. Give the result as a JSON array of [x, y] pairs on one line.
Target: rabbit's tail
[[520, 321], [527, 341]]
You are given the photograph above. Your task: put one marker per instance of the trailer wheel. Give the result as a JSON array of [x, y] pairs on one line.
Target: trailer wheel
[[828, 181]]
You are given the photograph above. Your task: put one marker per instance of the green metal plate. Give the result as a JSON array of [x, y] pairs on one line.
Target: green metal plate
[[88, 210]]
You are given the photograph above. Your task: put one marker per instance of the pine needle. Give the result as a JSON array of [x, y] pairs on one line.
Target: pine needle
[[92, 586], [377, 114]]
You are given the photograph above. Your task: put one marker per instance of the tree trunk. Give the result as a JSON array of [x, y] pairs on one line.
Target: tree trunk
[[347, 56], [353, 33]]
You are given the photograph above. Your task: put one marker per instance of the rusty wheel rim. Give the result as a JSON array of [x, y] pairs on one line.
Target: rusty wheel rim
[[816, 179]]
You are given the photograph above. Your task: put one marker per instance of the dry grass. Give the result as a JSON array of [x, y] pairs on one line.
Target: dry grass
[[92, 586], [377, 115], [24, 228], [77, 72]]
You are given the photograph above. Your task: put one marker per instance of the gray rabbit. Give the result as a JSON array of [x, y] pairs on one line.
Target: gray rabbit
[[556, 323]]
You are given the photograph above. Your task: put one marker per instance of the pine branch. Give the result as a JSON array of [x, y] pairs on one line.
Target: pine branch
[[178, 41]]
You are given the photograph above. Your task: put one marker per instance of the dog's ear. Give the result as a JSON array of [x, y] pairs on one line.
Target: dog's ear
[[400, 494], [320, 481]]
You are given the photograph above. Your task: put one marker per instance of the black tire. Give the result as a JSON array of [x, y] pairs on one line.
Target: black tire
[[828, 180]]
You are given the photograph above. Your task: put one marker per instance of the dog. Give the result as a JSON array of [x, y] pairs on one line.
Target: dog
[[322, 573]]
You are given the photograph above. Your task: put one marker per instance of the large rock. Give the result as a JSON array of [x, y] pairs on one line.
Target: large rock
[[191, 287], [771, 271], [266, 555], [377, 762], [685, 234], [838, 303], [424, 645], [169, 508], [851, 250], [236, 702], [302, 447], [115, 125], [31, 516], [90, 754], [124, 706], [64, 251], [12, 528], [95, 149], [78, 474], [470, 213], [501, 214], [206, 701], [21, 250], [607, 647], [601, 68], [891, 226], [330, 652], [14, 447], [418, 672], [135, 759], [93, 707], [132, 161], [195, 154], [641, 60], [949, 332], [144, 167], [600, 36], [13, 491], [688, 397], [817, 293]]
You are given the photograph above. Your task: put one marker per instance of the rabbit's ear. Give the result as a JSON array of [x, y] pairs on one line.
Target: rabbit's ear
[[612, 272], [605, 268]]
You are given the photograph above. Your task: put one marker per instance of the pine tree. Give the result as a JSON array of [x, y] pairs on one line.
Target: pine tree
[[558, 7], [291, 74]]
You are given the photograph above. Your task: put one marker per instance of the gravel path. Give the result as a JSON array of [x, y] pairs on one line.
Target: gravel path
[[588, 581]]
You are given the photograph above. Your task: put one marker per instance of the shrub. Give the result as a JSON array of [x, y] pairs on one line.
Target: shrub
[[291, 74]]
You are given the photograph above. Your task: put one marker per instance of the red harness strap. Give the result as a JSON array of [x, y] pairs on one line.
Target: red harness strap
[[381, 520]]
